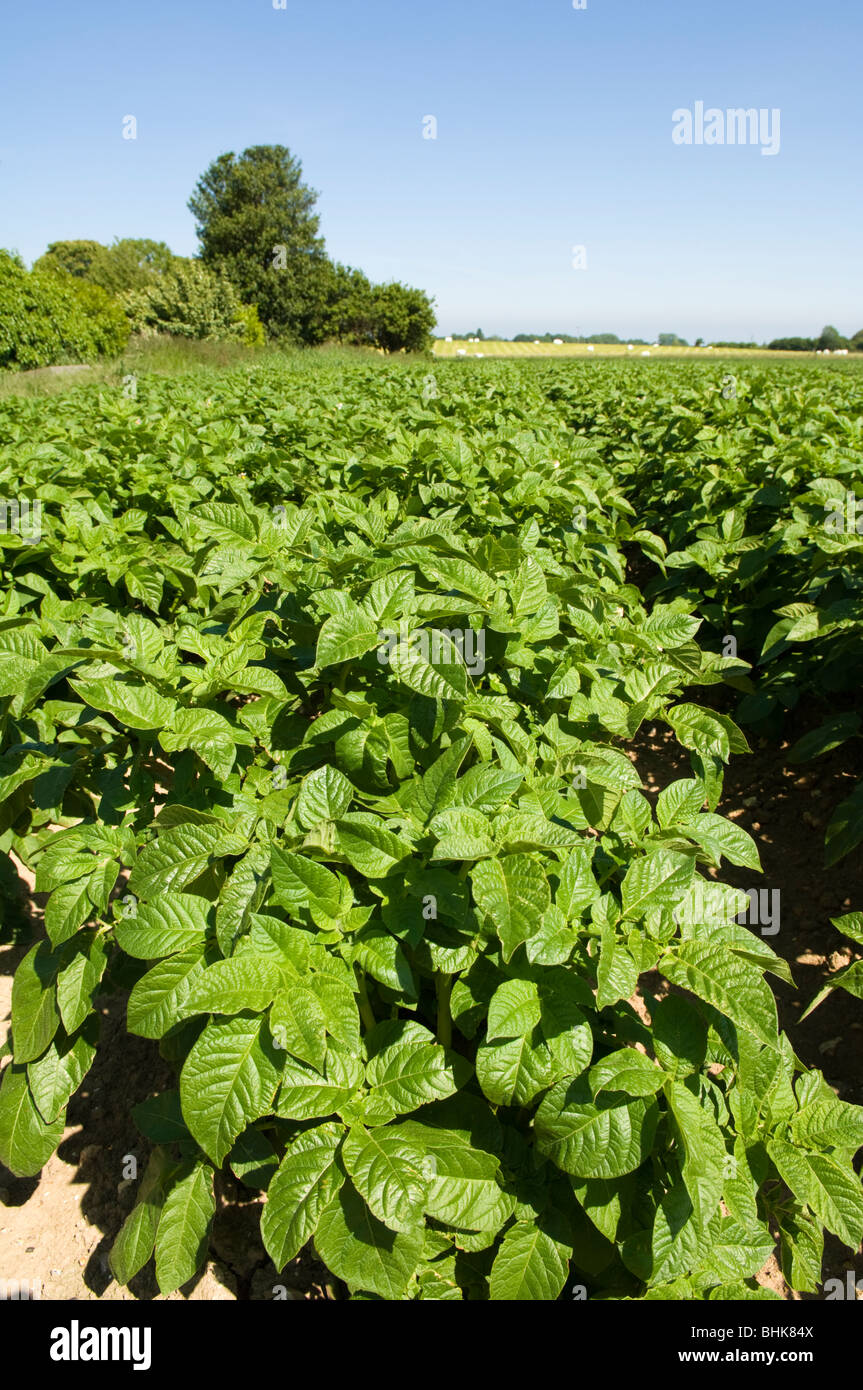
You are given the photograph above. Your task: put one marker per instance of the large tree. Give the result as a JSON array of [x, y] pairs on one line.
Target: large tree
[[255, 219]]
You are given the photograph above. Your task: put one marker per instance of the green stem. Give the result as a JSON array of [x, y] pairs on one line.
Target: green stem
[[443, 989], [366, 1012]]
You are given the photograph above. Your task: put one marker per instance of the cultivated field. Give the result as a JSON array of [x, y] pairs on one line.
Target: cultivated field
[[495, 348], [430, 810]]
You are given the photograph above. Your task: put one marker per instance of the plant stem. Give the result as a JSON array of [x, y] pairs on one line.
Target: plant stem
[[443, 989], [366, 1011]]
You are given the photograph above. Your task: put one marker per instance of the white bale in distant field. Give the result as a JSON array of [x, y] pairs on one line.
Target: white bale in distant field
[[461, 352], [447, 340], [558, 342], [629, 347], [646, 352], [536, 341], [479, 354], [590, 347]]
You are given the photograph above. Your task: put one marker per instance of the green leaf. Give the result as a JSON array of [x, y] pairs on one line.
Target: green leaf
[[464, 1181], [701, 730], [602, 1138], [656, 880], [845, 830], [628, 1071], [362, 1251], [34, 1013], [342, 1016], [850, 925], [733, 986], [176, 922], [160, 1118], [719, 837], [135, 706], [380, 955], [566, 1030], [828, 1124], [670, 629], [136, 1240], [408, 1069], [703, 1148], [177, 858], [529, 1266], [430, 663], [324, 795], [481, 788], [514, 1071], [246, 981], [679, 1035], [299, 882], [207, 733], [298, 1024], [801, 1242], [183, 1233], [850, 980], [737, 1252], [78, 982], [825, 738], [388, 1174], [158, 1000], [26, 1141], [253, 1159], [365, 841], [514, 892], [679, 802], [67, 909], [307, 1180], [306, 1094], [345, 636], [832, 1191], [617, 971], [58, 1073], [514, 1010], [577, 887], [228, 1080], [462, 835]]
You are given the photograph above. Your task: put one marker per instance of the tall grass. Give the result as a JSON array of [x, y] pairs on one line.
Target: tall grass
[[167, 356]]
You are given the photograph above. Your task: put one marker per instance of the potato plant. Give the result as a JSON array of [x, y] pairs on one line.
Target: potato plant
[[317, 731]]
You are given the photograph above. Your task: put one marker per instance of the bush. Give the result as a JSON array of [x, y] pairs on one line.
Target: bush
[[130, 263], [403, 318], [190, 301], [793, 345], [253, 334], [71, 258], [47, 318]]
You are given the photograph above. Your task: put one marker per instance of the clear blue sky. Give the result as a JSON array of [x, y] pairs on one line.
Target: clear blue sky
[[554, 130]]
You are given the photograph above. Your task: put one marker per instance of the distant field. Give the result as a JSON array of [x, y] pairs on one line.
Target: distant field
[[495, 348]]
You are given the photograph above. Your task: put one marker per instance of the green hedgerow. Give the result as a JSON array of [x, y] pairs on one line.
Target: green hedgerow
[[47, 318]]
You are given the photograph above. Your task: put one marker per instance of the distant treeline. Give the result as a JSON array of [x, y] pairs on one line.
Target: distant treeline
[[830, 340]]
